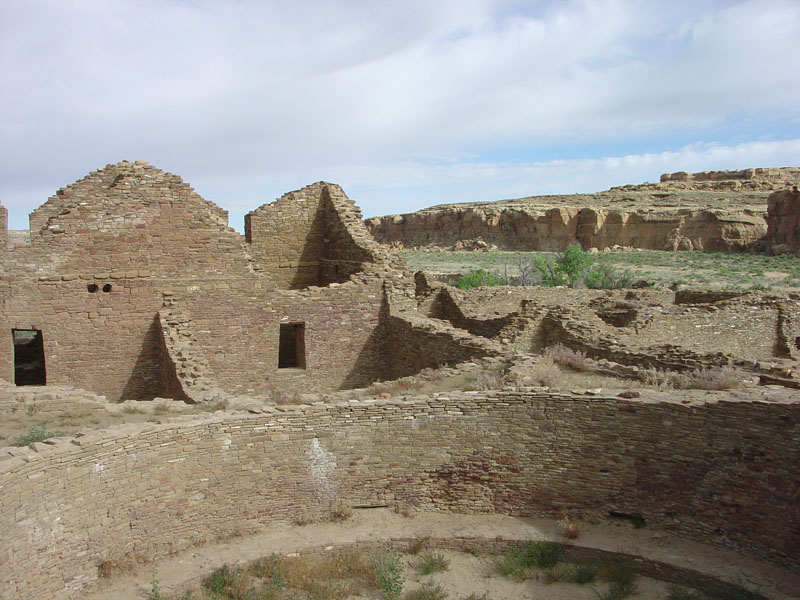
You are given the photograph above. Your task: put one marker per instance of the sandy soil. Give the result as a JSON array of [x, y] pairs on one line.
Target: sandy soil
[[467, 573]]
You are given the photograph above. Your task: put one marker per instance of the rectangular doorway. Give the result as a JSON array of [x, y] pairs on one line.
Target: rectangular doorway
[[29, 368], [292, 346]]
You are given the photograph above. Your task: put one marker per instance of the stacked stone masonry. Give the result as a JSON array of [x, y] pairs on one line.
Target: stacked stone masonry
[[113, 251], [149, 490]]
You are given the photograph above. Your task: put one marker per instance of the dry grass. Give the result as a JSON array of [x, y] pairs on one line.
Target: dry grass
[[432, 562], [282, 397], [570, 525], [490, 380], [418, 545], [118, 566], [546, 373], [401, 508], [340, 511], [160, 409], [405, 384], [429, 374], [568, 357], [711, 378]]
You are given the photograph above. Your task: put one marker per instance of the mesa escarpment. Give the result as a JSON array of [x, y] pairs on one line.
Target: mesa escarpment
[[718, 210]]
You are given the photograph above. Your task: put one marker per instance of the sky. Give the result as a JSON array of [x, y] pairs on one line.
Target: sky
[[404, 103]]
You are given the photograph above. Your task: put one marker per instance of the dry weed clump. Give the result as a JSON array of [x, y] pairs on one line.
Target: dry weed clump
[[405, 384], [490, 380], [570, 525], [429, 374], [546, 372], [707, 378], [340, 511], [116, 566], [568, 357], [281, 397]]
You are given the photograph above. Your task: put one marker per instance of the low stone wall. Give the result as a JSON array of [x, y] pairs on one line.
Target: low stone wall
[[723, 472]]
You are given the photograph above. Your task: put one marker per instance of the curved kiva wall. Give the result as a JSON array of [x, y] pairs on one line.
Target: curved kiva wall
[[721, 471]]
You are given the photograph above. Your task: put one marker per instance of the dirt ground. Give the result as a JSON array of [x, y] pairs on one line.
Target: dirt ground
[[467, 573]]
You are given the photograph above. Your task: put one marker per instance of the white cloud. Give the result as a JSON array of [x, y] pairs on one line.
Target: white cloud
[[243, 98]]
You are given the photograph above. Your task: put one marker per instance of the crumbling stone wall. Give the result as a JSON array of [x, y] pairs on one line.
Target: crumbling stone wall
[[3, 226], [312, 236], [153, 489], [110, 252], [345, 338]]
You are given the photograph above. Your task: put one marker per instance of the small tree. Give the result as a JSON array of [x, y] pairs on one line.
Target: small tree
[[478, 278], [566, 268]]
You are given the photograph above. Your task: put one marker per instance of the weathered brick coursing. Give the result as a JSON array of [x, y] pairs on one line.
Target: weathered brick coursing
[[148, 490], [128, 242]]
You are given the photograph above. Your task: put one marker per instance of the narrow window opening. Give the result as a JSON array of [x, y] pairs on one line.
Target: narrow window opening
[[92, 288], [28, 357], [107, 288], [292, 347]]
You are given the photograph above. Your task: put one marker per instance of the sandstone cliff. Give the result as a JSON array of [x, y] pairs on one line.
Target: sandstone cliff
[[783, 219], [717, 210]]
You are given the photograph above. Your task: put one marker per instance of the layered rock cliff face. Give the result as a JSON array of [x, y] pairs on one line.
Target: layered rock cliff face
[[783, 219], [717, 210]]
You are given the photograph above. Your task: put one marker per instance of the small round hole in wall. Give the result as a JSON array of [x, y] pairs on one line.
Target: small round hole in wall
[[107, 288], [91, 288]]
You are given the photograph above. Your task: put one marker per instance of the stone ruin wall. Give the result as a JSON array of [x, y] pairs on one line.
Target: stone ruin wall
[[113, 250], [148, 490], [310, 237], [3, 226]]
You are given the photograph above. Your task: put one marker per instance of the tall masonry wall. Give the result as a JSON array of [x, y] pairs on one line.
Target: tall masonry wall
[[3, 226], [112, 251], [148, 490]]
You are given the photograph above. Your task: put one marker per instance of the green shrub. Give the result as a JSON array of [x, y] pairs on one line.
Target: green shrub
[[678, 593], [37, 433], [428, 591], [583, 574], [543, 555], [565, 268], [388, 571], [478, 278], [605, 277], [432, 562]]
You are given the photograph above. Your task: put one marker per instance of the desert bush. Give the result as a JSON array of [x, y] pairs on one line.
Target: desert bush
[[716, 378], [427, 591], [583, 574], [432, 562], [574, 359], [37, 433], [603, 276], [430, 374], [710, 378], [622, 576], [388, 571], [478, 278], [490, 380], [519, 561], [229, 583], [571, 526], [418, 545], [340, 511], [545, 372], [679, 593], [565, 268]]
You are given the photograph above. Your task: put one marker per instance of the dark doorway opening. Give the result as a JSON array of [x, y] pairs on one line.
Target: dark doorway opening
[[292, 348], [28, 357]]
